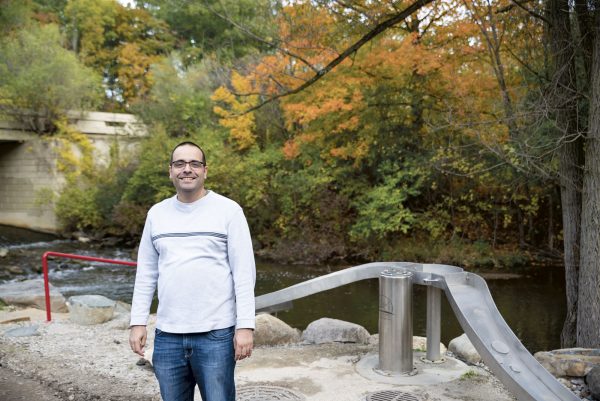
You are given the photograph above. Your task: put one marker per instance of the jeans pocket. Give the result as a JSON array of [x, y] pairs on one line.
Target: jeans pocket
[[158, 332], [222, 334]]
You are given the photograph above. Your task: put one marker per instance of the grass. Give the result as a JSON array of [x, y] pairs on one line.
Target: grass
[[469, 374]]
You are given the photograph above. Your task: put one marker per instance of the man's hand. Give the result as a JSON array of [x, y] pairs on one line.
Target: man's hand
[[137, 339], [243, 341]]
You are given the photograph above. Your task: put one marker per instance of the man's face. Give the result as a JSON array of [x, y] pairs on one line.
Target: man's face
[[188, 181]]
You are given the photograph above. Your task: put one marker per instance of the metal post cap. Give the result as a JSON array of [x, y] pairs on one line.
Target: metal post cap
[[396, 273]]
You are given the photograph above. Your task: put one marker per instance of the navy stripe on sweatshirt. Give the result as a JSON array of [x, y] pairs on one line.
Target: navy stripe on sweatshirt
[[197, 234]]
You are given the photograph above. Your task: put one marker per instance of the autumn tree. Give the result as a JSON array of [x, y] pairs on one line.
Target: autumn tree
[[376, 117], [120, 43]]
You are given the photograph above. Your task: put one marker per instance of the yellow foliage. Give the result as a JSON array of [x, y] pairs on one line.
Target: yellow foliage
[[134, 71], [75, 152], [235, 117]]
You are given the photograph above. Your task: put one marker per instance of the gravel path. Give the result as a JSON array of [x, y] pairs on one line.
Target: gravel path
[[79, 362]]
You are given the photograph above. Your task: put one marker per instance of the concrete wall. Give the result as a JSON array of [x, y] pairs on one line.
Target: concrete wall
[[28, 164], [26, 168]]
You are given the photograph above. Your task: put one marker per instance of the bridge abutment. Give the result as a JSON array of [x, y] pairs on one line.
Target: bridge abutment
[[28, 164]]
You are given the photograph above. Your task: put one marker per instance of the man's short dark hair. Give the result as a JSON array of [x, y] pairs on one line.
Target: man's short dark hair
[[190, 143]]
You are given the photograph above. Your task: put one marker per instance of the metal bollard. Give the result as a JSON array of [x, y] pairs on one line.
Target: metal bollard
[[434, 313], [395, 321]]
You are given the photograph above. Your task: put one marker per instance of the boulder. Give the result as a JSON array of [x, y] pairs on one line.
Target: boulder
[[120, 321], [122, 307], [419, 343], [328, 330], [91, 309], [593, 381], [463, 349], [31, 293], [574, 362], [121, 316], [15, 269], [272, 331]]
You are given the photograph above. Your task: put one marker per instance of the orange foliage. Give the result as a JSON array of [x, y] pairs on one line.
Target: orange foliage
[[291, 149], [418, 77]]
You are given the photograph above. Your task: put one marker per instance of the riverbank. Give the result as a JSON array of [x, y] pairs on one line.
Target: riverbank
[[542, 288], [471, 255], [74, 362]]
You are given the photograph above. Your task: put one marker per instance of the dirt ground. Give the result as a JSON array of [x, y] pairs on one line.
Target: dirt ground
[[17, 387]]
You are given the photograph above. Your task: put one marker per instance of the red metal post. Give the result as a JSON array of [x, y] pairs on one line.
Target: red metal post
[[71, 256], [46, 284]]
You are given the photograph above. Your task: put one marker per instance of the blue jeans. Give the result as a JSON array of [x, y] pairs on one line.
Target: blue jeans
[[183, 360]]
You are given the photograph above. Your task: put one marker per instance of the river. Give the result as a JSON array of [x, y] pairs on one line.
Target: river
[[533, 304]]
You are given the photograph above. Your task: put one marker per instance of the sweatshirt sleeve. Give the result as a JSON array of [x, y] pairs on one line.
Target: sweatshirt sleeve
[[145, 278], [243, 269]]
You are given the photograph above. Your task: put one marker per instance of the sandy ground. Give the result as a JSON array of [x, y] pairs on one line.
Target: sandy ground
[[67, 361]]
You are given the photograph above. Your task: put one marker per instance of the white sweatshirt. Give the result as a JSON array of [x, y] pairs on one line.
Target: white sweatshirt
[[200, 255]]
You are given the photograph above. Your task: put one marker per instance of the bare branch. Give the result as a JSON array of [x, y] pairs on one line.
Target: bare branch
[[521, 5], [260, 39], [523, 63], [352, 7], [379, 28]]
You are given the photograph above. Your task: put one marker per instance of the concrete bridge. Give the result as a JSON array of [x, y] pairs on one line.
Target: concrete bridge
[[28, 164]]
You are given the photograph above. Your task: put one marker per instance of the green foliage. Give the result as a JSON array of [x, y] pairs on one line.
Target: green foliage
[[76, 208], [39, 80], [382, 209], [89, 200], [150, 182], [14, 15], [179, 100], [202, 33]]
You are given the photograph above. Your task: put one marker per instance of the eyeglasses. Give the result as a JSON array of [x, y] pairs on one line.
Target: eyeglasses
[[195, 164]]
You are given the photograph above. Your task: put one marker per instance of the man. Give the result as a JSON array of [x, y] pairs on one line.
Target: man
[[196, 247]]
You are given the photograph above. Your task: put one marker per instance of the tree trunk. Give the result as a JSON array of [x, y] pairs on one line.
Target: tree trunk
[[571, 216], [563, 101], [588, 316], [550, 233], [586, 37]]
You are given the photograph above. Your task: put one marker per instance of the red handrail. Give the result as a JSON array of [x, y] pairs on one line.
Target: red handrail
[[71, 256]]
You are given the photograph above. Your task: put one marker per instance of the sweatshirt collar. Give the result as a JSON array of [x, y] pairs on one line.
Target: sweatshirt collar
[[191, 206]]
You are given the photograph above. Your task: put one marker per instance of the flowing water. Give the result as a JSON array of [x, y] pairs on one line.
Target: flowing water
[[533, 304]]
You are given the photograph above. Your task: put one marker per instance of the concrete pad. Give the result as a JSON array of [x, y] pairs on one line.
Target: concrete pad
[[337, 372], [424, 373]]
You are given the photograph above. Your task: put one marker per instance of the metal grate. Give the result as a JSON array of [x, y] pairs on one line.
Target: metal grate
[[266, 393], [391, 395]]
